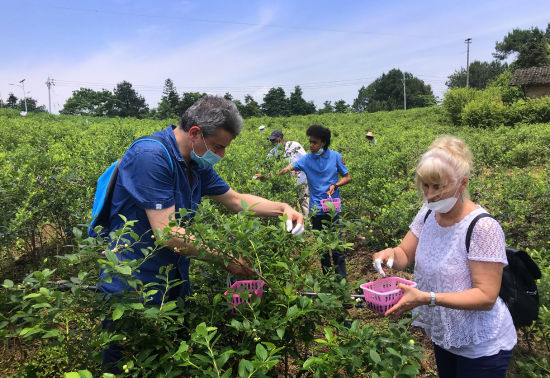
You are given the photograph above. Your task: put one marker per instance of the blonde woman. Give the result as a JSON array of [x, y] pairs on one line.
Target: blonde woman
[[456, 298]]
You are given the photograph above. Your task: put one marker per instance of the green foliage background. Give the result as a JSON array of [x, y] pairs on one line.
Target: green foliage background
[[48, 168]]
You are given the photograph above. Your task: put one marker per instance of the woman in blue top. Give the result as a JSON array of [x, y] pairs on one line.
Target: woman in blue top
[[322, 167]]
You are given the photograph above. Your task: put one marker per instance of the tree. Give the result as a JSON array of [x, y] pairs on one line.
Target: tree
[[31, 105], [340, 106], [481, 73], [297, 104], [275, 103], [250, 108], [86, 101], [532, 47], [168, 105], [188, 99], [130, 103], [228, 96], [12, 101], [386, 93], [327, 108]]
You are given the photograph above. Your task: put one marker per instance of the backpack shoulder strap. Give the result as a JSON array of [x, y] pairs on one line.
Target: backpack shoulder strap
[[158, 140], [471, 228], [427, 215]]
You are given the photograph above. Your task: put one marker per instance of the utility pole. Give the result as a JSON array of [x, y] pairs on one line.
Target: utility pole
[[49, 83], [24, 94], [22, 82], [404, 92], [468, 41]]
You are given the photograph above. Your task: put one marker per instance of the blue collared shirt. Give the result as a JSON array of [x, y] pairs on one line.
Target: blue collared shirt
[[321, 171], [146, 181]]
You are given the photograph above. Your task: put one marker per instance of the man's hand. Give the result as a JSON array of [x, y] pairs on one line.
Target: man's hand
[[240, 268], [331, 190], [294, 222], [258, 176]]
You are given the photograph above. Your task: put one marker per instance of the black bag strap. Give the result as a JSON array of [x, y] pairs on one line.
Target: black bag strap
[[427, 215], [471, 228]]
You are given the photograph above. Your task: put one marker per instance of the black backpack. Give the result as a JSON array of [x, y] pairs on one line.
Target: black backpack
[[518, 288]]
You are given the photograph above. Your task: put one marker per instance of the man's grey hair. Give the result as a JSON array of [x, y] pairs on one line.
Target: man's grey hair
[[210, 113]]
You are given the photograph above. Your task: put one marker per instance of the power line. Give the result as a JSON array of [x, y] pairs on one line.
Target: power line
[[239, 23]]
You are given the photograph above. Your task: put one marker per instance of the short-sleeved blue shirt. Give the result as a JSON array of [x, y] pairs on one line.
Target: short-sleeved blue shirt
[[146, 181], [321, 171]]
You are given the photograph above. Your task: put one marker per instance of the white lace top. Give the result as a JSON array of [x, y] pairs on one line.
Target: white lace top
[[441, 265]]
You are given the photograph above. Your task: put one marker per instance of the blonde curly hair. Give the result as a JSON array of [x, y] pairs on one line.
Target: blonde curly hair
[[447, 161]]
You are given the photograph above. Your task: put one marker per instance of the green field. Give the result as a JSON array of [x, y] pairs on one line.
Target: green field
[[48, 168]]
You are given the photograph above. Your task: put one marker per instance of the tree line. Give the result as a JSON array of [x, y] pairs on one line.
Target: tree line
[[531, 48]]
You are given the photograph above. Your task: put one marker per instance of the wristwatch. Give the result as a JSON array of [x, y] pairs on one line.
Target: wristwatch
[[432, 299]]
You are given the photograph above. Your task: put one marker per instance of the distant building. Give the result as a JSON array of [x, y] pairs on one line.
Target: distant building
[[534, 81]]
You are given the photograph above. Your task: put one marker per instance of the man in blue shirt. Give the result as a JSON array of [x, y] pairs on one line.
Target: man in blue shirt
[[322, 167], [151, 188]]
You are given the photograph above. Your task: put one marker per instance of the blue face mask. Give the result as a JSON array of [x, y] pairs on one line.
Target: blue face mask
[[321, 150], [209, 158]]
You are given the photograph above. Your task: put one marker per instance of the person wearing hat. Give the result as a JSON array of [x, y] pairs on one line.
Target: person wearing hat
[[292, 151], [370, 137], [323, 167]]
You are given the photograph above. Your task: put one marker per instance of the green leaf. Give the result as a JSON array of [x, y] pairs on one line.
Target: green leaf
[[111, 256], [292, 311], [8, 284], [310, 361], [136, 306], [123, 269], [261, 352], [244, 367], [282, 264], [51, 333], [32, 295], [77, 232], [85, 374], [72, 374], [118, 312], [375, 356], [280, 332], [409, 370]]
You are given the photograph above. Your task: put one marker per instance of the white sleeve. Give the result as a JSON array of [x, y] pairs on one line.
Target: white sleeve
[[418, 222], [488, 242]]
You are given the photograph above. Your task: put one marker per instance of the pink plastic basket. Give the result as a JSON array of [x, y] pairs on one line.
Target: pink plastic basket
[[382, 294], [325, 204], [255, 287]]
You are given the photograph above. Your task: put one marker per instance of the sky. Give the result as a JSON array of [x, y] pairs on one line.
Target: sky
[[330, 48]]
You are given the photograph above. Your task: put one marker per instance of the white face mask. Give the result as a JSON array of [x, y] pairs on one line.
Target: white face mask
[[444, 205]]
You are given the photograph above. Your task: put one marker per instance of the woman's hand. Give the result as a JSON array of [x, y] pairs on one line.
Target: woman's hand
[[331, 190], [386, 256], [412, 298]]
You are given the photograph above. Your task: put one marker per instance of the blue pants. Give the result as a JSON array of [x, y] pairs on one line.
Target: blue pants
[[450, 365], [114, 352], [338, 257]]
